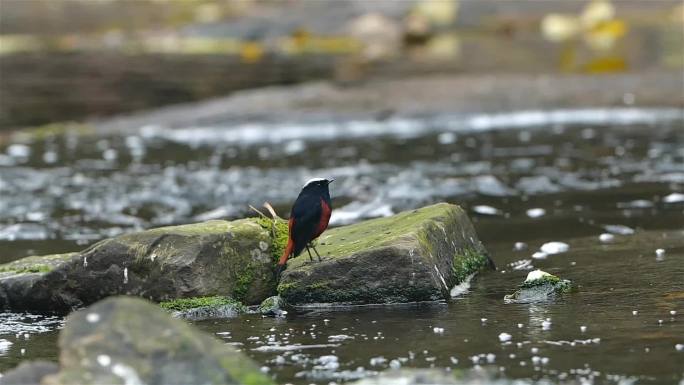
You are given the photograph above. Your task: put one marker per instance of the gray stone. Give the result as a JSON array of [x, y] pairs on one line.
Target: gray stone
[[29, 373], [126, 340], [273, 306]]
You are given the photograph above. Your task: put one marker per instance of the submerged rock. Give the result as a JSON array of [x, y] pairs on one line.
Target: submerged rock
[[202, 308], [126, 340], [273, 306], [539, 286], [416, 255], [204, 259]]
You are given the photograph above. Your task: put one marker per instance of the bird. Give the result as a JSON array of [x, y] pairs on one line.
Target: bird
[[309, 218]]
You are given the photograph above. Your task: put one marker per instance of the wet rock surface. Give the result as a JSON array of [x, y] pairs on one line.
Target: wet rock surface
[[203, 259], [127, 340], [539, 287], [273, 306], [417, 255]]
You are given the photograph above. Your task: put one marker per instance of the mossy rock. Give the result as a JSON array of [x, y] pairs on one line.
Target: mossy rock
[[34, 264], [417, 255], [546, 287], [273, 306], [125, 340], [215, 258], [202, 308]]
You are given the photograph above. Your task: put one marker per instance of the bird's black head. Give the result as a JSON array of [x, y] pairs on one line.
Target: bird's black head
[[318, 186]]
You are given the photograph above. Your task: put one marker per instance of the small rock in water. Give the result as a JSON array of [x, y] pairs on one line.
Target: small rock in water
[[505, 337], [536, 212], [486, 210], [606, 237], [554, 247]]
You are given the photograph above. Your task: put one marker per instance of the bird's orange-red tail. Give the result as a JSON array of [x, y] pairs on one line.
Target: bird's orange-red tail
[[286, 254]]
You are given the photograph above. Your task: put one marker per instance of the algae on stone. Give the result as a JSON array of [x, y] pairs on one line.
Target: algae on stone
[[417, 255]]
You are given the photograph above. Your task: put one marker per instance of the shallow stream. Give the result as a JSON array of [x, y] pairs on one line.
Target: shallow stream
[[526, 179]]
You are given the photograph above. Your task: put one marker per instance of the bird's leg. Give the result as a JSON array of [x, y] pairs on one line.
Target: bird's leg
[[316, 251], [309, 251]]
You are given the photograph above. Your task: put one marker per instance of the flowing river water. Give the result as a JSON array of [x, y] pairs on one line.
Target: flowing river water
[[526, 179]]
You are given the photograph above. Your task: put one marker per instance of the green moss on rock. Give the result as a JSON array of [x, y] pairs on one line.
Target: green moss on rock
[[182, 304], [467, 263], [279, 231], [35, 264]]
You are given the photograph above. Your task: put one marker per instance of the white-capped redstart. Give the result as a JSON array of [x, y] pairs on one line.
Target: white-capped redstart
[[309, 218]]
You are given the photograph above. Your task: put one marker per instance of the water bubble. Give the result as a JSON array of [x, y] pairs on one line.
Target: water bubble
[[19, 151], [635, 312], [535, 212], [486, 210], [606, 237], [505, 337], [376, 361], [546, 325], [660, 254], [583, 328], [125, 275], [554, 247], [438, 330], [92, 317], [674, 198], [539, 255], [519, 246], [520, 326], [395, 364], [104, 360], [679, 347], [453, 360], [534, 350], [673, 312]]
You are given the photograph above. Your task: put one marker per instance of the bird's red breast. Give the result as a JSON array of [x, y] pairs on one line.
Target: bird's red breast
[[326, 211]]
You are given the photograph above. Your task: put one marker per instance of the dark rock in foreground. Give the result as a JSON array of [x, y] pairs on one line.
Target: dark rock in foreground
[[126, 340], [416, 255], [205, 259], [538, 287], [29, 373]]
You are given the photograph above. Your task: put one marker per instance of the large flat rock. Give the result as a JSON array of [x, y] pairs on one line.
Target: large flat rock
[[233, 259], [416, 255]]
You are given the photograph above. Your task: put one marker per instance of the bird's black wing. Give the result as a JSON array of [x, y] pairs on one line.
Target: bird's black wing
[[307, 213]]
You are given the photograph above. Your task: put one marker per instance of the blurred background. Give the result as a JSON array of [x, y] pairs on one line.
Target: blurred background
[[547, 121], [78, 59]]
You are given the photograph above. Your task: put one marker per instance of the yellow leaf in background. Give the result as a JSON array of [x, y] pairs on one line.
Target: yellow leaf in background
[[606, 64], [251, 52], [604, 35]]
